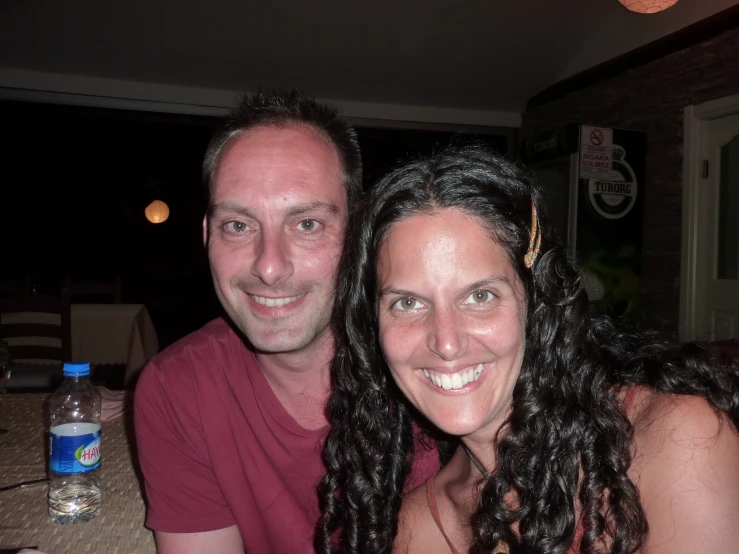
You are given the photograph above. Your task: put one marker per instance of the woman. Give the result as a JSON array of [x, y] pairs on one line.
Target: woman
[[571, 434]]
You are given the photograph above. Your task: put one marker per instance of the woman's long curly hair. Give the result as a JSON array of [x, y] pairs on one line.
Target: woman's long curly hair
[[566, 440]]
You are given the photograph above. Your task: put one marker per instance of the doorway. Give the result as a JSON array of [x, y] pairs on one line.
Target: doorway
[[709, 307]]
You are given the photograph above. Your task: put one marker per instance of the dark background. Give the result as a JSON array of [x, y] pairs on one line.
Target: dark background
[[75, 182]]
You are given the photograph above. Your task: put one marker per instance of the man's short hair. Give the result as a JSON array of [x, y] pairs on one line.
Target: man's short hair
[[285, 108]]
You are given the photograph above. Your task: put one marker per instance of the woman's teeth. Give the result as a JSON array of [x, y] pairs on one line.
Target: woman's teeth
[[455, 380]]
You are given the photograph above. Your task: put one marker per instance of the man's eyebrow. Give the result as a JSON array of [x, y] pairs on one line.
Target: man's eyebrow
[[301, 209], [229, 207]]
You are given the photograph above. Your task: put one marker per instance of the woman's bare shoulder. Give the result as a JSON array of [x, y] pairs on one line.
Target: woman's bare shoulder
[[675, 424], [686, 468], [417, 531]]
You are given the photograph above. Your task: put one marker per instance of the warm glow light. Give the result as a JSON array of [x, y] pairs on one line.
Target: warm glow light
[[157, 212], [647, 6]]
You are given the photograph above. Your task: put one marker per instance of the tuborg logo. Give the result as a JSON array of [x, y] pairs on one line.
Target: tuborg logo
[[613, 198]]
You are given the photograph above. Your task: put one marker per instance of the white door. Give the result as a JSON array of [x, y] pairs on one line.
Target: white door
[[717, 301]]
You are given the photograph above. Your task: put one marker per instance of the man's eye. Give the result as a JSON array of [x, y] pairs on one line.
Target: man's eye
[[308, 225], [480, 296], [406, 303], [235, 227]]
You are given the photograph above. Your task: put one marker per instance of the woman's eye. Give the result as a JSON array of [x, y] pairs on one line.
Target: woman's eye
[[308, 225], [480, 296], [406, 303]]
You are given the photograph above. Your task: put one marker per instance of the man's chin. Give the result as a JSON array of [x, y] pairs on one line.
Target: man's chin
[[277, 337], [275, 341], [278, 347]]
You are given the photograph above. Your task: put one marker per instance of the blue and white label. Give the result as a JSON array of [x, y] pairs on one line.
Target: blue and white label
[[75, 447]]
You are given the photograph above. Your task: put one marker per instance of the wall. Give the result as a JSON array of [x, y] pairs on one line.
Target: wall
[[652, 98]]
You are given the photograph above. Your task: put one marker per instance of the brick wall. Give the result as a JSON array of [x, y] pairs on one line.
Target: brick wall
[[651, 98]]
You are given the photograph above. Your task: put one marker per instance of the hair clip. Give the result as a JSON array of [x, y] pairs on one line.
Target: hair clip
[[534, 240]]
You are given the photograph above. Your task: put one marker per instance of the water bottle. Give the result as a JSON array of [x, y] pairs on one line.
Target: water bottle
[[74, 457]]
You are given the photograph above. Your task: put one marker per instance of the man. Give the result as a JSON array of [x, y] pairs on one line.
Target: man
[[230, 420]]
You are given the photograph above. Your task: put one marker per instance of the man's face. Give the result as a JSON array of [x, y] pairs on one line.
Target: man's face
[[275, 233]]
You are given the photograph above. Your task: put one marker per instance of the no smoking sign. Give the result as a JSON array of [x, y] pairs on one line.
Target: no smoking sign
[[596, 152]]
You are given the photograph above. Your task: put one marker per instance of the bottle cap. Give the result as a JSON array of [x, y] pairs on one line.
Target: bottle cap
[[76, 369]]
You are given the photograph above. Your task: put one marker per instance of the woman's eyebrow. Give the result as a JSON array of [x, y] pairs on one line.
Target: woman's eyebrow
[[392, 290], [491, 281], [488, 281]]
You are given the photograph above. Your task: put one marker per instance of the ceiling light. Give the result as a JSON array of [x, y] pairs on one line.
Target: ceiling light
[[647, 6], [157, 212]]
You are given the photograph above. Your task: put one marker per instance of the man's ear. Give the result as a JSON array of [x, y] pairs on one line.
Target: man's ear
[[205, 230]]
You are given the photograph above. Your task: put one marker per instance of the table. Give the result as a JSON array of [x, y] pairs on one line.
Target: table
[[104, 334], [24, 519]]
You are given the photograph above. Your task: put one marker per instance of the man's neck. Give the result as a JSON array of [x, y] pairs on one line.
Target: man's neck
[[301, 380]]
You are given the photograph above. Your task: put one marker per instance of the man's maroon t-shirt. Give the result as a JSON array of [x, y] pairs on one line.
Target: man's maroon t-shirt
[[217, 448]]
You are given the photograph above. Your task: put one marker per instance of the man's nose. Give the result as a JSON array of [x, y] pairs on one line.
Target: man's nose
[[446, 337], [272, 262]]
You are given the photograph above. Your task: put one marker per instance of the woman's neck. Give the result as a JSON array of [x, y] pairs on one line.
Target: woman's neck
[[479, 449]]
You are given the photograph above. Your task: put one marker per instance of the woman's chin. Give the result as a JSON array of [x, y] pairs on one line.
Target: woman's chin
[[458, 427]]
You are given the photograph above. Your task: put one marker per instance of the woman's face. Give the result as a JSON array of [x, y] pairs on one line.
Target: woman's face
[[451, 315]]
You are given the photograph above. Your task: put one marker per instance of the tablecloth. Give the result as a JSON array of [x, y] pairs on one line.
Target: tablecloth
[[104, 334]]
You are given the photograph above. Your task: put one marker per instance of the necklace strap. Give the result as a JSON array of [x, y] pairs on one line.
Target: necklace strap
[[476, 462]]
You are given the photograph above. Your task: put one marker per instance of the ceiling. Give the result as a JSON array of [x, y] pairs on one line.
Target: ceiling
[[473, 54]]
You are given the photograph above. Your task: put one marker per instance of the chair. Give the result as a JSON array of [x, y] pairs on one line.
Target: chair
[[36, 319], [98, 290]]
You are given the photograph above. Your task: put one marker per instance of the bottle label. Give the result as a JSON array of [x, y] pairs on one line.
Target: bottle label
[[74, 453]]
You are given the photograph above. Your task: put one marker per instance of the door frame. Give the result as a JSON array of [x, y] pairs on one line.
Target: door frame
[[695, 119]]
